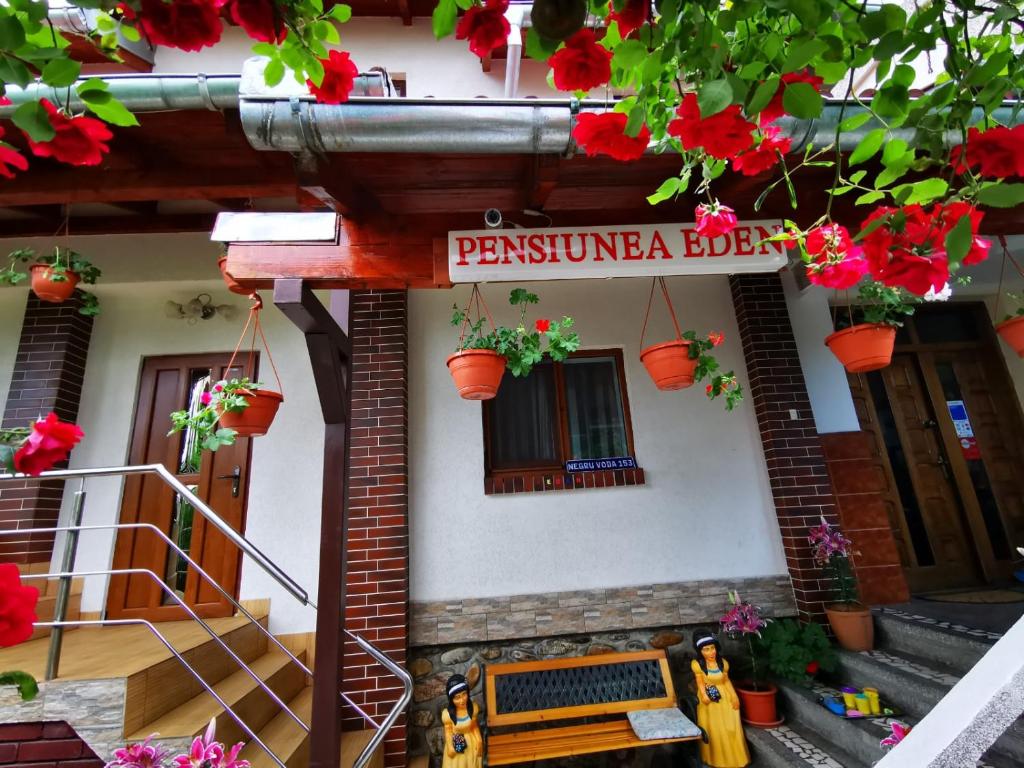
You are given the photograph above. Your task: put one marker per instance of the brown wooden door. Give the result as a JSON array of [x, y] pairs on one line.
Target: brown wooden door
[[168, 384]]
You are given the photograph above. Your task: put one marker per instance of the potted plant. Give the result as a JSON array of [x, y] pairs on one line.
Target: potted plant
[[796, 651], [850, 619], [481, 357], [239, 406], [757, 697], [55, 276], [1012, 326], [868, 345]]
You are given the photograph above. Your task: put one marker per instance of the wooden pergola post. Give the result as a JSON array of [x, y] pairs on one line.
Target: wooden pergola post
[[330, 352]]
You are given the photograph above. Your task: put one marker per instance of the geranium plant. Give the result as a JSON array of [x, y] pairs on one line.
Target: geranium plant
[[224, 395], [522, 346], [60, 262], [743, 620], [832, 551], [796, 651], [721, 384], [37, 448]]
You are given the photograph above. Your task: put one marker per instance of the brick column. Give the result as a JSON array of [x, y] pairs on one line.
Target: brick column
[[792, 449], [48, 373], [378, 545]]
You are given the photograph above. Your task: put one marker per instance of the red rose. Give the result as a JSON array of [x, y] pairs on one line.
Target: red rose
[[79, 140], [604, 134], [17, 607], [49, 443], [714, 220], [763, 156], [724, 135], [836, 261], [9, 157], [909, 254], [485, 26], [542, 325], [630, 18], [709, 388], [998, 151], [774, 110], [340, 74], [4, 101], [259, 19], [582, 64], [812, 668], [185, 24], [716, 338], [126, 11]]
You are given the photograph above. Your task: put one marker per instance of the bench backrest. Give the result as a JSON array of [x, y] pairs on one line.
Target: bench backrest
[[559, 689]]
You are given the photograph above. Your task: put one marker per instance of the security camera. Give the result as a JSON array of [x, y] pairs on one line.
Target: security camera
[[492, 218]]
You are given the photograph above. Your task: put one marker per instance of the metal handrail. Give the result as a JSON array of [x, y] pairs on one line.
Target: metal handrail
[[122, 622], [268, 565], [382, 730], [181, 604]]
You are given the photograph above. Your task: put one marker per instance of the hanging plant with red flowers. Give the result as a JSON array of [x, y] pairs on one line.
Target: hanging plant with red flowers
[[17, 615], [35, 449]]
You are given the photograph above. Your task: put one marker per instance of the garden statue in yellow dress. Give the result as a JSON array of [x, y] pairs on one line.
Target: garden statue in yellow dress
[[463, 744], [718, 706]]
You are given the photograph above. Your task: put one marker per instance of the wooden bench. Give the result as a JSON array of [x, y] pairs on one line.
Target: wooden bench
[[524, 695]]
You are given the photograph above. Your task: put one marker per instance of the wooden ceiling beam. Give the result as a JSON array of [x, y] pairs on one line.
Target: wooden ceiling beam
[[330, 183], [541, 179], [109, 225]]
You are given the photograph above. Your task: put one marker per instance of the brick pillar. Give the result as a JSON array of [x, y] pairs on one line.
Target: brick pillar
[[792, 449], [48, 373], [378, 545]]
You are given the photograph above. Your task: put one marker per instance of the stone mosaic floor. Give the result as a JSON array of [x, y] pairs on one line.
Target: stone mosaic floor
[[965, 619], [906, 665], [802, 748]]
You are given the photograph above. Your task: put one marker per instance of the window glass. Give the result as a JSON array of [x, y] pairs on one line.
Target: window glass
[[597, 427], [523, 421]]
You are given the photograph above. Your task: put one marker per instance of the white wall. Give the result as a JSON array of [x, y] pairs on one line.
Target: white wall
[[706, 499]]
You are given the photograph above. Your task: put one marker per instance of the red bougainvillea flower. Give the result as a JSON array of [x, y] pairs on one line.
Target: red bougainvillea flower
[[79, 140], [17, 607], [542, 325], [763, 156], [49, 442], [716, 338], [724, 135], [9, 158], [604, 134], [812, 668], [997, 152], [259, 19], [581, 64], [340, 74], [186, 24], [631, 17], [836, 262], [714, 219], [774, 110], [485, 26]]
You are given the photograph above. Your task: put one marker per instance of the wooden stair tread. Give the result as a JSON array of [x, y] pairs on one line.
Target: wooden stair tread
[[192, 717], [352, 745], [282, 734]]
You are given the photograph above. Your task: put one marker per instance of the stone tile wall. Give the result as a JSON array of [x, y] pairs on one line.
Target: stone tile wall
[[550, 614]]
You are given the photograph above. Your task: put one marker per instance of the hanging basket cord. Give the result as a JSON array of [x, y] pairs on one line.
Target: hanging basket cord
[[1002, 270], [254, 321], [668, 302], [477, 297]]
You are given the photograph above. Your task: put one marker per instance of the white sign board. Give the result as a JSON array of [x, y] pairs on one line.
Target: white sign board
[[567, 253]]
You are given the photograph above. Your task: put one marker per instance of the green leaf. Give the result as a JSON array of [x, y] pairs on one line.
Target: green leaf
[[831, 71], [273, 73], [341, 13], [958, 240], [868, 146], [800, 55], [890, 44], [629, 54], [130, 33], [27, 687], [869, 197], [12, 34], [854, 122], [1001, 195], [92, 84], [33, 120], [763, 95], [896, 152], [537, 46], [891, 174], [327, 32], [107, 108], [13, 72], [713, 97], [61, 73], [752, 70], [668, 189], [443, 18], [802, 101], [922, 191]]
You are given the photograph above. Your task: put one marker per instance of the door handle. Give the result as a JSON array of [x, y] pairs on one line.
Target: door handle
[[930, 423], [236, 480]]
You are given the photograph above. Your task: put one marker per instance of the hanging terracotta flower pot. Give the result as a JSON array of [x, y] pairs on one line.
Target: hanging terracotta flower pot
[[757, 704], [1012, 331], [255, 420], [477, 373], [50, 290], [863, 347], [231, 283], [669, 364]]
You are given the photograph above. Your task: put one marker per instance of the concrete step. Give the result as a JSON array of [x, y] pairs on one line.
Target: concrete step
[[956, 646], [793, 746]]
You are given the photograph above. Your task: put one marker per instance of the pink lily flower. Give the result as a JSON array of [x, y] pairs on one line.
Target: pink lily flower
[[141, 755], [899, 733], [230, 760], [203, 750]]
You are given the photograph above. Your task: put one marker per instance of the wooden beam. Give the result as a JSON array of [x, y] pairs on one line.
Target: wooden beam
[[331, 184], [405, 11], [541, 180], [44, 226], [297, 302]]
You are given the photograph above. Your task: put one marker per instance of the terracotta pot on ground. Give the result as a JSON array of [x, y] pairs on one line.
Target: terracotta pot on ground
[[1012, 331], [852, 625], [255, 420], [669, 364], [232, 285], [49, 290], [757, 707], [863, 347], [477, 373]]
